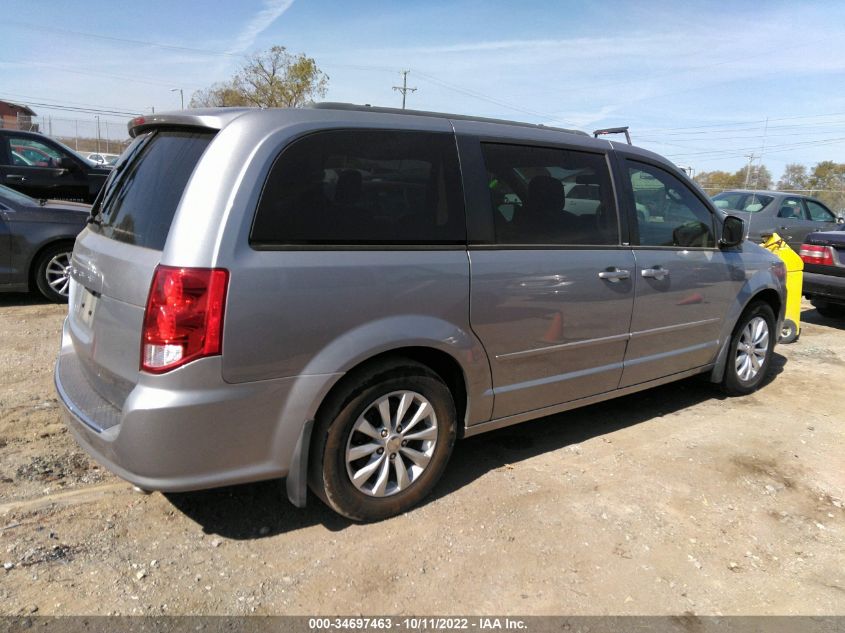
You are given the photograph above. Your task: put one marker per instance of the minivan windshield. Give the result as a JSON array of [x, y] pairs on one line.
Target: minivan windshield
[[139, 200]]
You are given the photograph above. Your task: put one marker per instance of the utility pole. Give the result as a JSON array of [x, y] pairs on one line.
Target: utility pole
[[404, 87], [181, 96], [97, 116], [762, 151], [750, 158]]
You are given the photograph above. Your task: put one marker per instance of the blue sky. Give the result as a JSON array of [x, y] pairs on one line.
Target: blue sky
[[696, 81]]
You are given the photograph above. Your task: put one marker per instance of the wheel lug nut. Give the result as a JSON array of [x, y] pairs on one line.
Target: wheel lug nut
[[393, 456], [399, 429], [404, 442], [384, 432], [380, 451]]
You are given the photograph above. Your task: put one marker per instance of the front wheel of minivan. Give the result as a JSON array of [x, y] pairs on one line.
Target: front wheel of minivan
[[750, 351], [384, 443]]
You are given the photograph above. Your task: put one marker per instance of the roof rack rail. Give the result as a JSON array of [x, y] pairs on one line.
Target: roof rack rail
[[613, 130], [333, 105]]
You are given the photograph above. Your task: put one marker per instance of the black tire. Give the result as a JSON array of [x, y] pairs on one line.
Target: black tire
[[829, 310], [328, 474], [733, 383], [789, 332], [45, 269]]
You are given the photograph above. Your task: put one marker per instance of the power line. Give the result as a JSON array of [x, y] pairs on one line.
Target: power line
[[484, 97], [94, 73], [119, 109], [50, 106], [123, 40]]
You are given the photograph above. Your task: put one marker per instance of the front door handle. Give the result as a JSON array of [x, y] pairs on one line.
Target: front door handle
[[16, 177], [658, 272], [614, 275]]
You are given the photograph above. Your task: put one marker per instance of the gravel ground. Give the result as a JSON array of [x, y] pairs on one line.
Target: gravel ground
[[675, 500]]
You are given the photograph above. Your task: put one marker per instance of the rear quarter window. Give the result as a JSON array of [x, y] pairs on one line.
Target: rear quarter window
[[351, 187], [139, 200]]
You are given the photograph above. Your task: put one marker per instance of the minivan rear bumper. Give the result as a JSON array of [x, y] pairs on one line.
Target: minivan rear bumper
[[188, 429]]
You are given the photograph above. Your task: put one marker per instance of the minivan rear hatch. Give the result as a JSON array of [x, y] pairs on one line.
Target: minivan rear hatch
[[115, 257]]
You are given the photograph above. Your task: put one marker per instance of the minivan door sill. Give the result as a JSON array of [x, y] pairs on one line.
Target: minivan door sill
[[499, 423]]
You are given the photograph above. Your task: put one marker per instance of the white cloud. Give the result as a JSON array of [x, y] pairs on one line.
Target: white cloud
[[273, 9]]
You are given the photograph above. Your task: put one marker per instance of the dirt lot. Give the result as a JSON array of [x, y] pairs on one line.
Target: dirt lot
[[670, 501]]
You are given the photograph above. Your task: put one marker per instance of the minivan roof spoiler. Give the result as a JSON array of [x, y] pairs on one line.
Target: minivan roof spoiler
[[613, 130], [336, 105], [212, 118]]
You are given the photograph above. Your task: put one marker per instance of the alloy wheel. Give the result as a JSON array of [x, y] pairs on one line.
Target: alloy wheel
[[57, 273], [752, 348], [391, 443]]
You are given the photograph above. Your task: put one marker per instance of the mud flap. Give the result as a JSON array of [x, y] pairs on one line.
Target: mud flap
[[718, 371], [297, 479]]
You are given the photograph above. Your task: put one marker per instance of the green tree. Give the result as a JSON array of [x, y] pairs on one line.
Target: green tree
[[272, 79], [794, 178], [222, 94], [757, 177], [827, 183]]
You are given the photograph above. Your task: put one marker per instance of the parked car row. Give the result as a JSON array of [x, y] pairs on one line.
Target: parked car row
[[41, 167], [809, 227], [824, 271], [36, 241], [792, 216]]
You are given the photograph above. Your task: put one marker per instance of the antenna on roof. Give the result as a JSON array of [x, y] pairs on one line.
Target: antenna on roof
[[613, 130]]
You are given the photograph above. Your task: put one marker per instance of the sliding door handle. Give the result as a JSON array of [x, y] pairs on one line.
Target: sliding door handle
[[658, 272], [614, 275]]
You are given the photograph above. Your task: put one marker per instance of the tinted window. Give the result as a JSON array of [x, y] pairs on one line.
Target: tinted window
[[29, 152], [791, 209], [364, 187], [749, 202], [818, 212], [140, 198], [543, 195], [668, 212]]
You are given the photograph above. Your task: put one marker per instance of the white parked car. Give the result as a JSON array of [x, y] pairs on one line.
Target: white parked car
[[101, 158]]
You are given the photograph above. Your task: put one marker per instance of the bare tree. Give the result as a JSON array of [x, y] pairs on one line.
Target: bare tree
[[272, 79]]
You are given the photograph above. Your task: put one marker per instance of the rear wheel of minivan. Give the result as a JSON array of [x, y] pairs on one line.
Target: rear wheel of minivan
[[750, 351], [383, 440]]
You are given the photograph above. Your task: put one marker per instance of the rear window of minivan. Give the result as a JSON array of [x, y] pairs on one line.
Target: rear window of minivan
[[363, 187], [140, 198]]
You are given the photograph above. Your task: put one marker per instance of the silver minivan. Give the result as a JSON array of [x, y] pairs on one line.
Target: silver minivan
[[336, 294]]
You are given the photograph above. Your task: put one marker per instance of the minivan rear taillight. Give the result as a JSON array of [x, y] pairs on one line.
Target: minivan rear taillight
[[818, 255], [184, 317]]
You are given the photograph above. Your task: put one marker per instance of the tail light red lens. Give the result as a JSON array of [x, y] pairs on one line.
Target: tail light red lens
[[818, 255], [184, 317]]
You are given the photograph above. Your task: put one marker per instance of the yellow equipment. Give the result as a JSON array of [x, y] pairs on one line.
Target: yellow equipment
[[794, 279]]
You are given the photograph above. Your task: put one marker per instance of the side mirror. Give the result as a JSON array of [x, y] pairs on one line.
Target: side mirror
[[66, 162], [840, 219], [733, 232]]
